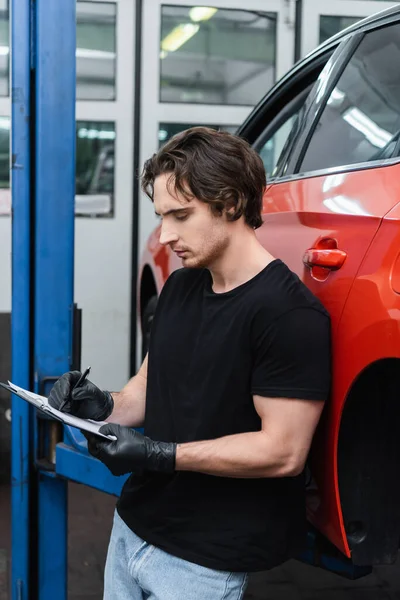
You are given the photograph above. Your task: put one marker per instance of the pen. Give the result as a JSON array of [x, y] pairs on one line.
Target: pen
[[79, 382], [83, 377]]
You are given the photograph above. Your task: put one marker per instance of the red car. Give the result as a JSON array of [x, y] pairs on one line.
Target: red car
[[329, 136]]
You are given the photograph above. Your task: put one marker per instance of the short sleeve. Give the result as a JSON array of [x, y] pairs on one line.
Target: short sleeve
[[292, 355]]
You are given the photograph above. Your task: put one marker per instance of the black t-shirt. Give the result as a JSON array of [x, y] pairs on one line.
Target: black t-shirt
[[209, 353]]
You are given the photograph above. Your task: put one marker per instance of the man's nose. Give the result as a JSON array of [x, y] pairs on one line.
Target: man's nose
[[167, 236]]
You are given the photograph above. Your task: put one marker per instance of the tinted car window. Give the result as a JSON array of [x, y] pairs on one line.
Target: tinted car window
[[272, 148], [274, 143], [361, 120]]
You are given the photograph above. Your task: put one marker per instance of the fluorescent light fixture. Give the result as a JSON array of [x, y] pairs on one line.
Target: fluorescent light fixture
[[202, 13], [375, 135], [179, 36], [4, 50], [95, 134]]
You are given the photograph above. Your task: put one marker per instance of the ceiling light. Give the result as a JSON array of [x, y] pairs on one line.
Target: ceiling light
[[179, 36], [202, 13]]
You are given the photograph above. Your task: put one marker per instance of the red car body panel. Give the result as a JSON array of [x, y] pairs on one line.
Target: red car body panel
[[348, 209], [355, 212]]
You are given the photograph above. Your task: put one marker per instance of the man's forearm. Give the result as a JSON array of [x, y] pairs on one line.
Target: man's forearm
[[245, 455], [130, 403]]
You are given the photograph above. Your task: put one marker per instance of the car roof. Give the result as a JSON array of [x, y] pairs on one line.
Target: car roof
[[367, 21]]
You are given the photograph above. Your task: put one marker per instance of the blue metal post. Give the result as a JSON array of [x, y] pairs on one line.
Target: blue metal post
[[54, 248], [21, 285]]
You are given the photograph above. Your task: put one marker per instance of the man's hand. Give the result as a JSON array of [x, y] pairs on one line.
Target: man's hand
[[131, 451], [86, 401]]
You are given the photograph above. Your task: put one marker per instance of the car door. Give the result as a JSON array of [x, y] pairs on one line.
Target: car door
[[326, 204]]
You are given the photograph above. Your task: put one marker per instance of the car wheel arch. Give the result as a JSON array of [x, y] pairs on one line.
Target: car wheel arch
[[367, 461]]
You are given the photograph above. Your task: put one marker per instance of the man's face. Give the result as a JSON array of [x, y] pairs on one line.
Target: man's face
[[191, 230]]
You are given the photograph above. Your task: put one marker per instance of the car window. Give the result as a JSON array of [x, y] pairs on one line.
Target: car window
[[272, 149], [361, 120], [274, 142]]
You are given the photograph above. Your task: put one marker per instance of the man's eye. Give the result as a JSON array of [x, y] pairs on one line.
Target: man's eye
[[181, 217]]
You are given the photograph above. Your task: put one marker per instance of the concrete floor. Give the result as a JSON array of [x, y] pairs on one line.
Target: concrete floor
[[90, 517]]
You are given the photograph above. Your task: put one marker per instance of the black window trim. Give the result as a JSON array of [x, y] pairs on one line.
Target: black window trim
[[362, 166], [340, 59], [290, 85], [342, 44], [293, 171], [274, 125], [294, 85], [277, 122], [337, 56]]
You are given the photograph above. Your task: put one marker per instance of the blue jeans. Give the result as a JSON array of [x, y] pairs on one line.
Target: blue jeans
[[136, 570]]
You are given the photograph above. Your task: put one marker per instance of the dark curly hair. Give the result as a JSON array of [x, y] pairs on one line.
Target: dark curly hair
[[212, 166]]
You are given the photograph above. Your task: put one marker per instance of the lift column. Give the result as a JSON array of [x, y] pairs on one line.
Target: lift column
[[43, 180]]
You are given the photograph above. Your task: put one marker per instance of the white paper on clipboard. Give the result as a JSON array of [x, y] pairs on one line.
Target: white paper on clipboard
[[42, 403]]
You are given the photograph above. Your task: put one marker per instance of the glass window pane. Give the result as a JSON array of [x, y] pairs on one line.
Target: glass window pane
[[95, 51], [95, 149], [4, 48], [361, 121], [272, 149], [329, 25], [94, 183], [167, 130], [274, 145], [215, 56]]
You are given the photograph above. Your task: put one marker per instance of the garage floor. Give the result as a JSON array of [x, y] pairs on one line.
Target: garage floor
[[90, 516]]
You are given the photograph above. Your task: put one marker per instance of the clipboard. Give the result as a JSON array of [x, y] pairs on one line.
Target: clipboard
[[42, 404]]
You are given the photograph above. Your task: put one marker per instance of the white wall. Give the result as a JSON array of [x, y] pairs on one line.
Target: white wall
[[5, 264], [103, 246], [103, 291]]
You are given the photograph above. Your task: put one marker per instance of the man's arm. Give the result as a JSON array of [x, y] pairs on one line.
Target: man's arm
[[279, 449], [290, 382], [130, 402]]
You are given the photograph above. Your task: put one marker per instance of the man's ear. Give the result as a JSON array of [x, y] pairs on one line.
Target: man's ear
[[233, 208], [229, 211]]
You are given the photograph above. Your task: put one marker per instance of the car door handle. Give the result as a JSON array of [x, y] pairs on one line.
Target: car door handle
[[328, 258]]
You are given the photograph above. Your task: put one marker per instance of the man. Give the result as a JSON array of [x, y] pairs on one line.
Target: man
[[230, 393]]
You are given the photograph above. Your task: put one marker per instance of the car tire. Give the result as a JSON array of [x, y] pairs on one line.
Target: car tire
[[147, 321]]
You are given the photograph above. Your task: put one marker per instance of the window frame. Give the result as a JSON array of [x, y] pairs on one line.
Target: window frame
[[303, 143], [114, 98], [339, 62], [342, 50], [281, 95], [178, 4], [274, 107], [273, 127]]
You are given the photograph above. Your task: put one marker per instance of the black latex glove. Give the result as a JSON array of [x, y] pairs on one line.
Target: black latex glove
[[86, 401], [131, 451]]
